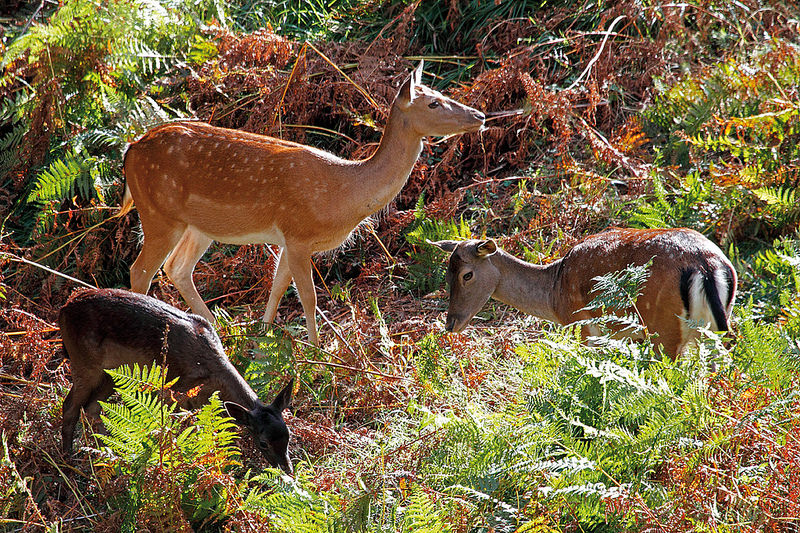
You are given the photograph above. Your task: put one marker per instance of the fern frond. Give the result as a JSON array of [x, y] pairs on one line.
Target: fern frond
[[64, 178], [620, 289], [426, 271], [214, 434], [421, 515], [132, 424]]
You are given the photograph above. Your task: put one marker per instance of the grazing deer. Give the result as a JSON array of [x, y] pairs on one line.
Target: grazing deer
[[194, 183], [107, 328], [690, 278]]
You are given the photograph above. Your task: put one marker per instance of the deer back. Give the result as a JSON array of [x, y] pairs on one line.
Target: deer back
[[689, 277], [107, 328]]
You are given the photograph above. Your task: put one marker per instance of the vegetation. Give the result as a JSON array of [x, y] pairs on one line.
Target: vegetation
[[638, 114]]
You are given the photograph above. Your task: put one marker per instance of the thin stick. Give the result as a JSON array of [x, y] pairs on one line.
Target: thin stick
[[286, 88], [80, 235], [347, 367], [321, 129], [18, 259], [30, 20], [348, 78], [383, 247], [597, 55], [494, 115]]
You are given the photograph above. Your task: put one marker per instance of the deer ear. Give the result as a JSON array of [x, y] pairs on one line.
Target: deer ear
[[418, 72], [447, 246], [284, 397], [486, 248], [239, 413], [406, 94]]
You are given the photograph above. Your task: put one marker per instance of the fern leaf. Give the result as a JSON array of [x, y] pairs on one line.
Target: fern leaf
[[65, 177]]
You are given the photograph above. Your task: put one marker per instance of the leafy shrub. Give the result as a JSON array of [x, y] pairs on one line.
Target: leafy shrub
[[176, 475], [771, 279], [426, 270], [734, 128]]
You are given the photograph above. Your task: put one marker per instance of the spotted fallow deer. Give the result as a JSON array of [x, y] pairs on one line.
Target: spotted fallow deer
[[690, 278], [194, 183], [107, 328]]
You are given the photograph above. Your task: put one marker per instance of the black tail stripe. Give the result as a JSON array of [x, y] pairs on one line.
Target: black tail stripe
[[686, 279], [714, 301]]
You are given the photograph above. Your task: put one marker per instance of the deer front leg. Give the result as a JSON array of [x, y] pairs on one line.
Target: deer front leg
[[300, 267], [180, 266], [280, 283]]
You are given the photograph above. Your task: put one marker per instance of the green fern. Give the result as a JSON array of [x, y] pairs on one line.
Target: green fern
[[771, 280], [291, 504], [150, 441], [681, 206], [432, 364], [72, 174], [426, 270], [12, 118], [766, 351], [781, 203], [619, 290], [135, 424], [421, 515]]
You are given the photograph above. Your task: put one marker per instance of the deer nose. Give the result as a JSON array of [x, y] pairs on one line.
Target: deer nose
[[478, 115], [286, 465], [450, 323]]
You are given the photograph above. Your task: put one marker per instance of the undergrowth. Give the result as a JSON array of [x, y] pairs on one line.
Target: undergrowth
[[629, 114]]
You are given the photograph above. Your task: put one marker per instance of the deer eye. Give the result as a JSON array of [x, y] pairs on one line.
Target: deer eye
[[434, 104], [467, 276]]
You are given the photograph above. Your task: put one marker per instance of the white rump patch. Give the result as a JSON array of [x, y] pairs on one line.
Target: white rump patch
[[698, 299]]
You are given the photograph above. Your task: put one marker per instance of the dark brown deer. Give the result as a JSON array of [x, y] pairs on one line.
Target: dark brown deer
[[107, 328], [690, 278], [194, 183]]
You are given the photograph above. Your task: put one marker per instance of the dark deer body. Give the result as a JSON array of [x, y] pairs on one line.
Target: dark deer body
[[107, 328], [690, 278]]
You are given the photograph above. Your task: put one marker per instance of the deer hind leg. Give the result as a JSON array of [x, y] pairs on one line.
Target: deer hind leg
[[180, 265], [83, 394], [300, 267], [99, 394], [280, 283], [160, 237]]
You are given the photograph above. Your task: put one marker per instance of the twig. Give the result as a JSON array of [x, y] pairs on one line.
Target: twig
[[597, 55], [353, 368], [489, 181], [383, 247], [320, 128], [18, 259], [494, 115], [30, 20], [286, 88], [348, 78], [23, 381]]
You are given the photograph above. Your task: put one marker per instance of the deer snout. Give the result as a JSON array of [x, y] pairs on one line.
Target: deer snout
[[479, 118], [285, 464], [454, 324]]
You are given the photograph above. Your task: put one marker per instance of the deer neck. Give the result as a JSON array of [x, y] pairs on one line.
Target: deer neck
[[527, 287], [380, 177], [233, 388]]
